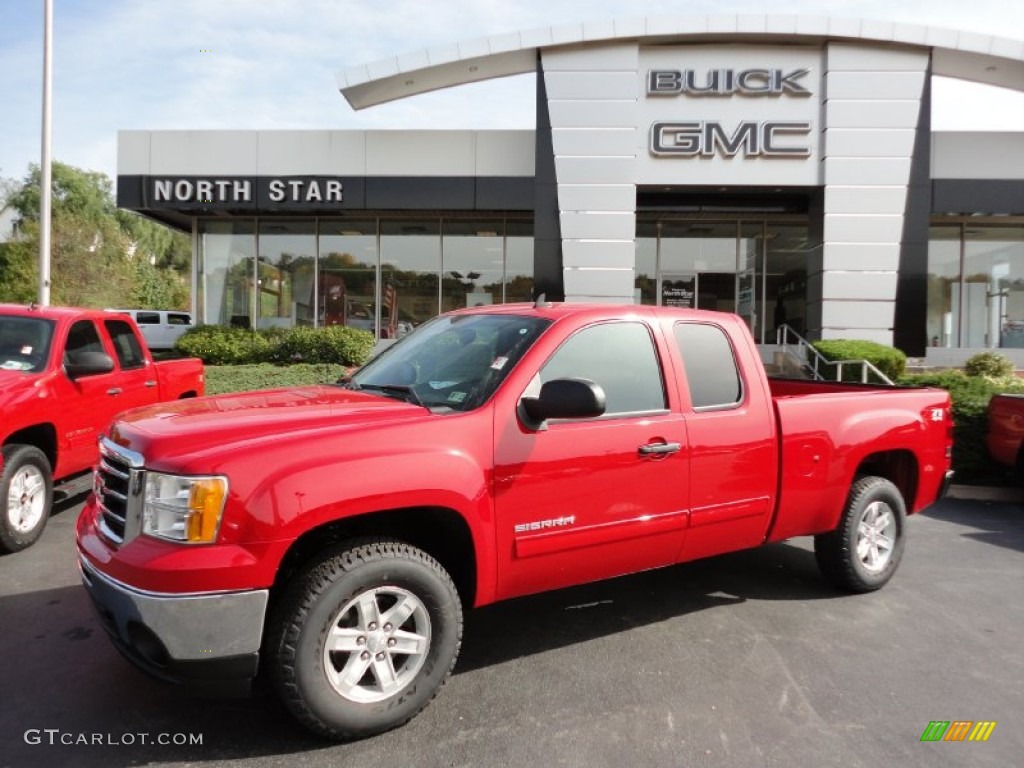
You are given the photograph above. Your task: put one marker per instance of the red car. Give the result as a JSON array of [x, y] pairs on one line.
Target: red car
[[333, 535], [64, 374]]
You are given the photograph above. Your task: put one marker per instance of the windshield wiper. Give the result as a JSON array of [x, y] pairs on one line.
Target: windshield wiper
[[402, 391]]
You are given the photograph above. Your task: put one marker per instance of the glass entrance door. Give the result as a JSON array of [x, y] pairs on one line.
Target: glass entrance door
[[755, 267]]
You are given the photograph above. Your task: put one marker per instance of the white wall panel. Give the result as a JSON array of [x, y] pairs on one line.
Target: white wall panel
[[872, 114], [869, 142], [590, 85], [871, 58], [857, 314], [282, 153], [880, 256], [596, 197], [598, 58], [598, 226], [978, 155], [874, 85], [203, 153], [592, 114], [598, 282], [133, 153], [867, 171], [863, 228], [582, 142], [596, 170], [863, 199], [421, 153], [877, 335], [614, 254], [505, 153], [873, 286]]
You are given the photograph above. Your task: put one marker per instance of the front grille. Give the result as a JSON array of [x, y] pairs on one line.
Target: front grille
[[117, 482]]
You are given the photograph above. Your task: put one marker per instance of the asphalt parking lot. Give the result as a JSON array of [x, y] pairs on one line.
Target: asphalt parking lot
[[742, 660]]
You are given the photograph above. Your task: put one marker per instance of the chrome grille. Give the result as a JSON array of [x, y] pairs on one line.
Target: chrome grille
[[117, 482]]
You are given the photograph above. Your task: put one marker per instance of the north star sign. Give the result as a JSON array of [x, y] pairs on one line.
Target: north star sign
[[306, 191], [707, 138]]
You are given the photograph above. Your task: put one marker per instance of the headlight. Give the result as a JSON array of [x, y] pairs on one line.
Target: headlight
[[184, 509]]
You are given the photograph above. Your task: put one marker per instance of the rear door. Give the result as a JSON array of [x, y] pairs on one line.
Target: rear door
[[585, 499], [733, 450], [137, 379]]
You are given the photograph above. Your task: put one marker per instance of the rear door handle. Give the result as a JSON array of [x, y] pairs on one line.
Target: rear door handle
[[114, 391], [150, 383], [659, 449]]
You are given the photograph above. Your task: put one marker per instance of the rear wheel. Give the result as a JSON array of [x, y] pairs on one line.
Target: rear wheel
[[863, 552], [26, 495], [364, 638]]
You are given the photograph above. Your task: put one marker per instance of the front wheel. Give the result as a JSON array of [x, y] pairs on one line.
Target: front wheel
[[364, 638], [26, 495], [863, 552]]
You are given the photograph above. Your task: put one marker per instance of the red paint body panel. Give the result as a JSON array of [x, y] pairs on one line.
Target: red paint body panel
[[545, 508], [1006, 429], [79, 410]]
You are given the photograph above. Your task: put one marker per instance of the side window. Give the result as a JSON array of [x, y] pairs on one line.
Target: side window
[[621, 358], [83, 337], [710, 365], [126, 345], [177, 318], [147, 318]]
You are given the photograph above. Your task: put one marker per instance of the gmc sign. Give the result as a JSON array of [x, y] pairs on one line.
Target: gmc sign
[[704, 138]]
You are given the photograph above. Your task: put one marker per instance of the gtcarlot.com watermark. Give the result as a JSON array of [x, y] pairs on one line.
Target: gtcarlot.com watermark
[[55, 736]]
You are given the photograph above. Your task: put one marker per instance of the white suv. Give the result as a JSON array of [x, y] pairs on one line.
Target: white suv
[[160, 327]]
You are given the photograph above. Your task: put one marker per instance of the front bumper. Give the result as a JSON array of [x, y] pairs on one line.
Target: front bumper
[[208, 642]]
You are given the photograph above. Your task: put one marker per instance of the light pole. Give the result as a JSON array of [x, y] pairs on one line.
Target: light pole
[[45, 170]]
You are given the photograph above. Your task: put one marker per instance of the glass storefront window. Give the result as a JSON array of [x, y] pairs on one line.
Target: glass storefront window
[[943, 324], [347, 274], [518, 261], [976, 286], [285, 290], [472, 263], [227, 252], [645, 290], [410, 256]]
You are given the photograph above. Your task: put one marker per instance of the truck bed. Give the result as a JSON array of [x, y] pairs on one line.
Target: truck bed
[[829, 434]]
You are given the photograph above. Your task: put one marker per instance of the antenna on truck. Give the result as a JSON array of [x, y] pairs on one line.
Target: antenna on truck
[[541, 301]]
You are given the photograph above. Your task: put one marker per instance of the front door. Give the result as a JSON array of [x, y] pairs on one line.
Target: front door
[[582, 500]]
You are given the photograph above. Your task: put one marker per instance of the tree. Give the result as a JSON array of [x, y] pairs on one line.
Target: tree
[[100, 257]]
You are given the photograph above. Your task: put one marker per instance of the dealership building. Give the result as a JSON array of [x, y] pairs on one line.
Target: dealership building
[[780, 167]]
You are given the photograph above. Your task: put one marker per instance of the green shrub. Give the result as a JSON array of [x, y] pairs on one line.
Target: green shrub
[[333, 344], [889, 360], [222, 379], [970, 396], [991, 365], [219, 345]]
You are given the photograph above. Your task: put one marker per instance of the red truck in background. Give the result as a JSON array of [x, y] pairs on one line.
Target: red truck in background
[[64, 374], [333, 535], [1006, 431]]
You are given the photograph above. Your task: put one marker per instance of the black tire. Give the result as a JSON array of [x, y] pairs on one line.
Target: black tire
[[323, 598], [26, 474], [874, 518]]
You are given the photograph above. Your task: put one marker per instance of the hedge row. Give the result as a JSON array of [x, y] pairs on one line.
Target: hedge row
[[219, 345], [970, 395], [223, 379], [889, 360]]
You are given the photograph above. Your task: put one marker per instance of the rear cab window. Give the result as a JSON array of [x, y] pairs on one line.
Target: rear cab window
[[712, 375]]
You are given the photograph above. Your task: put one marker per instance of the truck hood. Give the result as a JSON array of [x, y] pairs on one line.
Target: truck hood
[[15, 385], [194, 426]]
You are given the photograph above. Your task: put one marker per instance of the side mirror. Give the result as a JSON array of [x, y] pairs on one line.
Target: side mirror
[[563, 399], [88, 364]]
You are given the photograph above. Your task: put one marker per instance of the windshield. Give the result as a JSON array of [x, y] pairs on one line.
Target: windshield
[[452, 362], [24, 343]]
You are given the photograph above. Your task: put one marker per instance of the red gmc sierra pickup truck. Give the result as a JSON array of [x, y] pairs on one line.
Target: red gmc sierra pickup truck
[[333, 535], [64, 374]]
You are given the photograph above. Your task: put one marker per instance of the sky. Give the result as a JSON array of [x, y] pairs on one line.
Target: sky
[[272, 64]]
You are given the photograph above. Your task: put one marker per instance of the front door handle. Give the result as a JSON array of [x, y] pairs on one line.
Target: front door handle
[[114, 391], [663, 449]]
